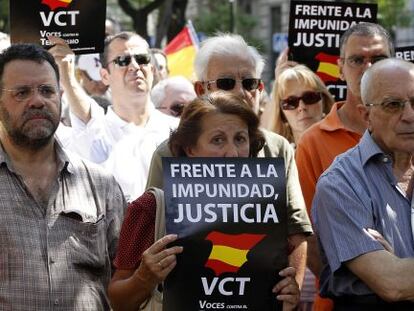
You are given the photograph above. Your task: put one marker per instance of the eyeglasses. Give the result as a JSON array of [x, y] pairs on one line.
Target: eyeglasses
[[308, 98], [25, 92], [394, 105], [360, 61], [227, 84], [125, 60], [176, 108]]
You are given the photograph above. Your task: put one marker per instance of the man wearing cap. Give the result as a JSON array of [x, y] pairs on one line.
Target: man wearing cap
[[89, 76], [124, 138]]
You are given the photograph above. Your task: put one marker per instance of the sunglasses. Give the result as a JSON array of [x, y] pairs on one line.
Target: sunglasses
[[125, 60], [176, 108], [227, 84], [308, 98]]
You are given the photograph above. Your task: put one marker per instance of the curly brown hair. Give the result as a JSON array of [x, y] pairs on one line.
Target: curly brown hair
[[189, 129]]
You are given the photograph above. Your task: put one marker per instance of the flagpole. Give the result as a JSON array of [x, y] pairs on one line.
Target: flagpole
[[193, 34]]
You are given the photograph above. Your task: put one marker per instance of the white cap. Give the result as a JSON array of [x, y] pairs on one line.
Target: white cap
[[91, 64]]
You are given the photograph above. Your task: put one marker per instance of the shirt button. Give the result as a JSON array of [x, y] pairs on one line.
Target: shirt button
[[56, 301], [51, 260], [385, 159]]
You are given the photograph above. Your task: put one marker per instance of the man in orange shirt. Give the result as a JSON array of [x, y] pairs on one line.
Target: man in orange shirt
[[360, 47]]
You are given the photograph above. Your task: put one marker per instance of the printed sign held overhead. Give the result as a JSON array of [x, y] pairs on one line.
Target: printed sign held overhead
[[405, 53], [81, 23], [315, 28]]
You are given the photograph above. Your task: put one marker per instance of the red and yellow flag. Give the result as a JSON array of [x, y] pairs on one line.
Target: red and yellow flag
[[229, 251], [181, 52], [54, 4], [328, 69]]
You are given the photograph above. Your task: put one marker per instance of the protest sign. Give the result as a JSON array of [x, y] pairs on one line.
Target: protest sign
[[81, 23], [230, 216], [405, 53], [315, 28]]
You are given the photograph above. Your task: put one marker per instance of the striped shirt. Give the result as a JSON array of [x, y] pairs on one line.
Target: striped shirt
[[58, 256], [359, 191]]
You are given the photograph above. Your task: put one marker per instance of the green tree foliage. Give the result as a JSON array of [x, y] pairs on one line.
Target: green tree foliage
[[217, 17], [4, 16], [392, 14]]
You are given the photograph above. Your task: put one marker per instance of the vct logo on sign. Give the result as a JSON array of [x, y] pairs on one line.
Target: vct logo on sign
[[33, 21], [61, 18], [54, 4], [231, 218]]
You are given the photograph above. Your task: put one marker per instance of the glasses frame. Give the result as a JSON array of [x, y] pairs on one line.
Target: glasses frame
[[125, 60], [32, 91], [296, 100], [176, 109], [350, 61], [398, 108], [234, 81]]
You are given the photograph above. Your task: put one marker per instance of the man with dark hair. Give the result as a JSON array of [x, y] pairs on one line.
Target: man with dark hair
[[59, 216], [124, 138], [361, 46], [368, 188], [160, 61]]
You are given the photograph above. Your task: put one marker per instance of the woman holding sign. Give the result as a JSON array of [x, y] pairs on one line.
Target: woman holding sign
[[218, 125]]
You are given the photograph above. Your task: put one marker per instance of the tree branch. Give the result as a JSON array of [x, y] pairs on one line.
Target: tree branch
[[127, 8], [152, 6]]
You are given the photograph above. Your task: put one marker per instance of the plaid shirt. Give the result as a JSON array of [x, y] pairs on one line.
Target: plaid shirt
[[58, 257]]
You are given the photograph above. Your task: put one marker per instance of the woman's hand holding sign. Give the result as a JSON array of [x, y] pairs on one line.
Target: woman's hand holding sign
[[287, 290], [158, 261]]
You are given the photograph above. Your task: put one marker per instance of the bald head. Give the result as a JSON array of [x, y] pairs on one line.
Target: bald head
[[381, 75]]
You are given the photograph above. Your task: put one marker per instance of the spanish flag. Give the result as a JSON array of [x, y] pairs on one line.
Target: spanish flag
[[328, 69], [181, 52], [229, 251], [54, 4]]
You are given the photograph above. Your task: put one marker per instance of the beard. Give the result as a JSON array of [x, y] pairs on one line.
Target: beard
[[28, 136]]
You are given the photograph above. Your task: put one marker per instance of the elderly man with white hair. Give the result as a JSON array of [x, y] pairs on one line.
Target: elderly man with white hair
[[172, 94], [368, 188], [227, 63]]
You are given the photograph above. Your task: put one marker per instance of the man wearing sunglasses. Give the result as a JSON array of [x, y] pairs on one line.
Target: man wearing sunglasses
[[360, 47], [170, 95], [124, 138], [227, 63], [368, 187]]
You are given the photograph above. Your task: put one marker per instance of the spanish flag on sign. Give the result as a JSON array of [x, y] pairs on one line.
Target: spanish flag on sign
[[181, 52], [54, 4], [328, 69], [229, 251]]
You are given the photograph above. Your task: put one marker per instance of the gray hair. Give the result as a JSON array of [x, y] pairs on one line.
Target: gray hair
[[366, 29], [225, 44], [371, 75], [159, 91]]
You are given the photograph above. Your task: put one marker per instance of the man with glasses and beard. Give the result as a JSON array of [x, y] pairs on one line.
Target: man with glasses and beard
[[60, 217], [124, 138], [360, 47], [226, 62]]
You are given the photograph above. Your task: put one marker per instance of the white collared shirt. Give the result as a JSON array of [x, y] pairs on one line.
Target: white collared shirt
[[123, 148]]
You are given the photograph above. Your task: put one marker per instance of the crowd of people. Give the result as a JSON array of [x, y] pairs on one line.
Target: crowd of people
[[83, 137]]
